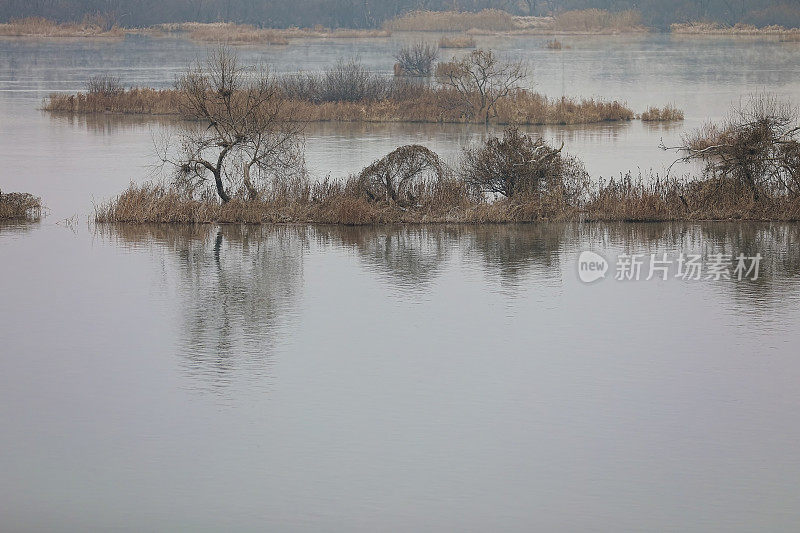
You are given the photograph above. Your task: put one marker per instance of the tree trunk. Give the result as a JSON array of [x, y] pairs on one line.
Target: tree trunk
[[252, 192], [220, 187]]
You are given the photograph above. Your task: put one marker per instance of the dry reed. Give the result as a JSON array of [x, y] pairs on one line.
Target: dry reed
[[715, 28], [462, 41], [42, 27], [20, 206], [625, 199], [424, 105], [488, 19], [598, 21], [244, 34], [668, 113]]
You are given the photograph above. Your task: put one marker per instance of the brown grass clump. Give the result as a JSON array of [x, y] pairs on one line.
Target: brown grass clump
[[450, 200], [244, 34], [20, 206], [715, 28], [230, 33], [42, 27], [533, 181], [463, 41], [668, 113], [138, 101], [655, 199], [555, 44], [598, 21], [424, 104], [488, 19]]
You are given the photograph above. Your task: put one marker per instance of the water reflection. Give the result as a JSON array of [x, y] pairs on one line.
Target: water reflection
[[237, 288], [410, 258], [110, 124], [16, 227], [511, 252]]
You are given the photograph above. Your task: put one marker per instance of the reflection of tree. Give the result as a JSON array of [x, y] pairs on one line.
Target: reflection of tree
[[511, 251], [236, 285], [779, 246], [410, 256]]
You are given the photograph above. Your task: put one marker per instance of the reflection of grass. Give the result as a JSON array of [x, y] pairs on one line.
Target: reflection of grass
[[20, 206]]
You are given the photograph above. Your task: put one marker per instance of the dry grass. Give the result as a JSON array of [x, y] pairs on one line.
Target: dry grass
[[713, 28], [668, 113], [20, 206], [41, 27], [137, 101], [555, 44], [235, 34], [658, 200], [462, 41], [488, 19], [622, 200], [598, 21], [424, 105], [245, 34]]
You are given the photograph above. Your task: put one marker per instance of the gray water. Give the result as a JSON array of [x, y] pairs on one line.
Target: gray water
[[300, 378]]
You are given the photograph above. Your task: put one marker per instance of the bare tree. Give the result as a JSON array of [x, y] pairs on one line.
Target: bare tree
[[246, 128], [758, 146], [481, 79], [417, 59]]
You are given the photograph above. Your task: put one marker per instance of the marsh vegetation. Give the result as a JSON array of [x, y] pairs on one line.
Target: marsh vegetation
[[480, 87], [20, 206]]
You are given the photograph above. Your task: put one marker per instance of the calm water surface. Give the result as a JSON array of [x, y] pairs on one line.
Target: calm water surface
[[445, 378]]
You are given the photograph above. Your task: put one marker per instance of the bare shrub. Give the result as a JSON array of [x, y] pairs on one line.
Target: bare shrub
[[104, 21], [519, 165], [757, 147], [351, 81], [104, 84], [417, 59], [395, 177]]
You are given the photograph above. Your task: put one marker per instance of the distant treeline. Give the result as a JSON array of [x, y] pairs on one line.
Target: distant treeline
[[372, 13]]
